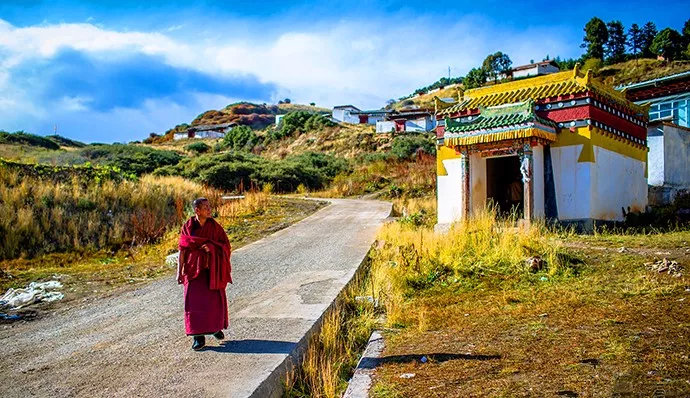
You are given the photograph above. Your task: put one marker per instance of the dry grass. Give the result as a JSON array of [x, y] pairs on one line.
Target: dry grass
[[97, 271], [39, 216], [603, 327], [333, 352], [394, 178]]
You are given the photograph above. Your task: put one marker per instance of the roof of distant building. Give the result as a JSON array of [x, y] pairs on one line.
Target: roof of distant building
[[530, 66], [345, 106]]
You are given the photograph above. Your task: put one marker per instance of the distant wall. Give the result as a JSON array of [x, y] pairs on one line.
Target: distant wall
[[676, 156]]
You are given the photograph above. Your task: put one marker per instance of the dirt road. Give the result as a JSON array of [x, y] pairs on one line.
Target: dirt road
[[133, 344]]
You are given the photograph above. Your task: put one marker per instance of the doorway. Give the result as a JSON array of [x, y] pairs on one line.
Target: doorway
[[504, 187]]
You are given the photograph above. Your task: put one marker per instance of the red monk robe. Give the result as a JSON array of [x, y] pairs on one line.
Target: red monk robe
[[205, 276]]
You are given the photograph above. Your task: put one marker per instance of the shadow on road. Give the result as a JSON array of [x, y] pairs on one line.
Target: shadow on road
[[370, 363], [254, 347]]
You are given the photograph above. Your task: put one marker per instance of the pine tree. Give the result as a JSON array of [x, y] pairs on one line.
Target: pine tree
[[635, 42], [648, 34], [596, 36], [668, 43], [615, 45]]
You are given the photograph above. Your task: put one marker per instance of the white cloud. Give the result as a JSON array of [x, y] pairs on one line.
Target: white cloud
[[362, 62]]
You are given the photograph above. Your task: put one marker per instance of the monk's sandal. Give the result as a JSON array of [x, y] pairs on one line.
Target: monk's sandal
[[219, 335], [199, 342]]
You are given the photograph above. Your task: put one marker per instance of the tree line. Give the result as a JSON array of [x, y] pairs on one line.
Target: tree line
[[606, 43]]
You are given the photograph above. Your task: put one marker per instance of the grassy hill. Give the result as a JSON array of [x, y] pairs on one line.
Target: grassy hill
[[636, 71]]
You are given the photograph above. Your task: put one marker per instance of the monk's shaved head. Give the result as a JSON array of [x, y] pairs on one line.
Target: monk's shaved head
[[198, 202]]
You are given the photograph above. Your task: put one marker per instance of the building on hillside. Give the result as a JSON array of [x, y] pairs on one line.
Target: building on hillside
[[669, 133], [533, 69], [407, 120], [279, 118], [372, 116], [206, 131], [346, 114], [563, 146]]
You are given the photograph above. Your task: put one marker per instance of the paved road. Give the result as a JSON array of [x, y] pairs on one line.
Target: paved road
[[134, 344]]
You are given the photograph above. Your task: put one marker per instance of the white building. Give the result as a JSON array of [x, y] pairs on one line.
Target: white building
[[346, 114], [412, 121], [669, 133], [205, 131], [535, 69]]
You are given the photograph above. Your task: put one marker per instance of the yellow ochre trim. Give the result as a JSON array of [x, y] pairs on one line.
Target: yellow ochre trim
[[443, 153], [499, 136], [587, 138]]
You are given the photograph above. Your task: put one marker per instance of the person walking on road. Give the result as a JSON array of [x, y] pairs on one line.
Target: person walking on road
[[204, 269]]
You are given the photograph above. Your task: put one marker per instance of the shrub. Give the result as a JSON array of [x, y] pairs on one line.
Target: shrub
[[197, 147], [405, 147], [240, 138], [229, 176], [66, 142], [130, 158], [22, 138], [300, 121]]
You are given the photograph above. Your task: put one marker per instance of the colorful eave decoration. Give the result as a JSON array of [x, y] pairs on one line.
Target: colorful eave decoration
[[565, 100], [499, 123]]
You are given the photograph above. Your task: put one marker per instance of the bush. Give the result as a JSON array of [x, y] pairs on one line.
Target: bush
[[405, 147], [240, 138], [238, 170], [229, 176], [133, 159], [198, 147], [22, 138], [66, 142], [300, 121]]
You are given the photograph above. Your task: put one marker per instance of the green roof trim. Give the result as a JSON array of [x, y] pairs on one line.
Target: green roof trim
[[497, 117]]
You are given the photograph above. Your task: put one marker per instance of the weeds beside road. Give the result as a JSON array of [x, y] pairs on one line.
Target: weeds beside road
[[591, 320]]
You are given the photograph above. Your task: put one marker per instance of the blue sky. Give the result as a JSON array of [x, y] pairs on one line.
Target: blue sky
[[119, 70]]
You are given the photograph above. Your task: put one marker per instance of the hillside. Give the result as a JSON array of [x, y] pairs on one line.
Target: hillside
[[643, 69], [427, 100]]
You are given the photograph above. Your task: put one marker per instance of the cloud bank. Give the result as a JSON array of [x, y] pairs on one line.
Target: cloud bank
[[101, 84]]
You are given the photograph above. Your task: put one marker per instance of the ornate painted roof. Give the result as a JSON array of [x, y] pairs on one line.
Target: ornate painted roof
[[536, 89], [499, 123]]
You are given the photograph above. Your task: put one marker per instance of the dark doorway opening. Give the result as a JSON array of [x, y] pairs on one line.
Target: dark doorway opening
[[504, 185]]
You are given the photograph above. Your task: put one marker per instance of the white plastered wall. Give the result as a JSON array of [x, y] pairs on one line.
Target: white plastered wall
[[572, 183], [449, 191], [618, 181]]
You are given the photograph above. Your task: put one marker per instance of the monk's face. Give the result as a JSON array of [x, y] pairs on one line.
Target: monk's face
[[204, 210]]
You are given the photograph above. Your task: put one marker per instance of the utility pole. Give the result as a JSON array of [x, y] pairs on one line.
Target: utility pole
[[449, 73], [55, 130]]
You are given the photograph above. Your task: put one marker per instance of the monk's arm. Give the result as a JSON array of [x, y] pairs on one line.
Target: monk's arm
[[180, 260]]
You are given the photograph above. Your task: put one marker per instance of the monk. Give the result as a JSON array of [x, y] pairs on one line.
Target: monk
[[204, 269]]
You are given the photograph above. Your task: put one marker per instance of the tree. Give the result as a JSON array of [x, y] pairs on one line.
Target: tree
[[476, 77], [496, 64], [668, 43], [686, 38], [565, 64], [648, 35], [635, 40], [596, 36], [615, 45]]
